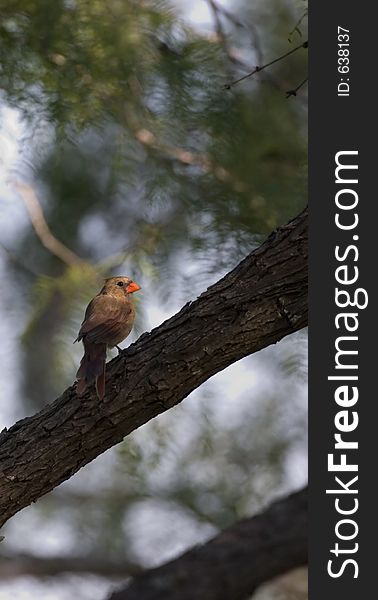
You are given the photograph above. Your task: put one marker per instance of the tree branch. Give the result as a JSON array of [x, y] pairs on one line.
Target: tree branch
[[42, 230], [235, 562], [19, 565], [295, 90], [228, 86], [188, 158], [258, 303]]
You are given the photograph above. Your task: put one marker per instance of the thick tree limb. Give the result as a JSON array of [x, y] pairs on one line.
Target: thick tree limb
[[234, 563], [19, 565], [262, 300]]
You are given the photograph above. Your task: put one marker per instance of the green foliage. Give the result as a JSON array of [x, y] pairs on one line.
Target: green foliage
[[69, 58]]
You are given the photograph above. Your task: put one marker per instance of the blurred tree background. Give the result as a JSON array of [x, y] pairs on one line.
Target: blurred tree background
[[116, 119]]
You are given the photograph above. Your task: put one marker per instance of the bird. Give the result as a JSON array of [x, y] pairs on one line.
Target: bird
[[108, 320]]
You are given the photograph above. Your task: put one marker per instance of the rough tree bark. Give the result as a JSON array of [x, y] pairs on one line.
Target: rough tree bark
[[259, 302], [235, 562]]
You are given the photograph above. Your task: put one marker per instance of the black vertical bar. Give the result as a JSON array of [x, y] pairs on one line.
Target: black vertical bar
[[343, 109]]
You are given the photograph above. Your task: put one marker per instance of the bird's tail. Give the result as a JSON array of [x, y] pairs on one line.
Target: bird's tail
[[92, 367]]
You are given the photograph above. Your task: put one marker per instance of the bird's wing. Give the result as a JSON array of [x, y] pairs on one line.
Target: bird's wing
[[104, 319]]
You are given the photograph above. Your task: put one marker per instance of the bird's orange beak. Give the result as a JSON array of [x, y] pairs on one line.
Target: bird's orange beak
[[132, 287]]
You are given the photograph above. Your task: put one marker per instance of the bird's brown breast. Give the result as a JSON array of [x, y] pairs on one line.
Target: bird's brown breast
[[108, 319]]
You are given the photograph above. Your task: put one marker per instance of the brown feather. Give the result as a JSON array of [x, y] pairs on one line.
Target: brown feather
[[92, 365], [108, 320]]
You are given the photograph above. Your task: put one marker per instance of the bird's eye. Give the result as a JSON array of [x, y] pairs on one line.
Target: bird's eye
[[120, 283]]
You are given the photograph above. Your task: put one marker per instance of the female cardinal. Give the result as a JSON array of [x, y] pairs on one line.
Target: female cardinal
[[108, 320]]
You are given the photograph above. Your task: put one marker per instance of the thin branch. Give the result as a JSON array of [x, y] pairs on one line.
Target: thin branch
[[269, 64], [175, 153], [218, 24], [41, 228], [260, 301], [297, 24], [189, 158], [255, 42], [226, 13], [221, 35], [235, 562], [296, 90]]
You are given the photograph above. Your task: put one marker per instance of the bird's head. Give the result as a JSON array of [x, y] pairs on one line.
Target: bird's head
[[119, 285]]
